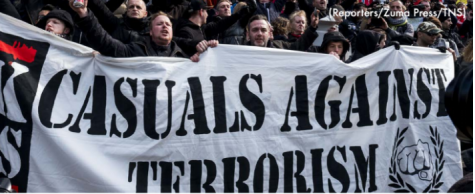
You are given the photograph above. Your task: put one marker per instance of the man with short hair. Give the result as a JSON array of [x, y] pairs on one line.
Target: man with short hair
[[427, 34], [259, 33], [398, 22], [158, 42], [235, 33], [224, 8], [426, 5]]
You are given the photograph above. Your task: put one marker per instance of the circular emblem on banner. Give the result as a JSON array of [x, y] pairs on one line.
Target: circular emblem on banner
[[417, 160]]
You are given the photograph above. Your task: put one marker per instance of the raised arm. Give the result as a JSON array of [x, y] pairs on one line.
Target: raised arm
[[98, 38]]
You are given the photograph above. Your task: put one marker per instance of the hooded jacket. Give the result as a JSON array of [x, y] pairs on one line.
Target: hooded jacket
[[101, 41], [334, 37], [367, 42], [61, 15]]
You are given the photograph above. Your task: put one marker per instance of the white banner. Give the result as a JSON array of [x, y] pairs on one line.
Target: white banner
[[243, 119]]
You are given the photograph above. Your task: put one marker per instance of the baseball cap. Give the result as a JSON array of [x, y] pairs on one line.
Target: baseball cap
[[196, 5], [428, 27]]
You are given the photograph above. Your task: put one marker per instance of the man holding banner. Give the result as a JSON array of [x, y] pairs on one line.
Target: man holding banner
[[159, 43], [242, 119]]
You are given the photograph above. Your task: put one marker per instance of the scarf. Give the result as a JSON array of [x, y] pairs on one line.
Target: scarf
[[397, 22]]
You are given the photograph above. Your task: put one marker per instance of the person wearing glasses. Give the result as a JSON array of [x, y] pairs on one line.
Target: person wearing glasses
[[427, 33]]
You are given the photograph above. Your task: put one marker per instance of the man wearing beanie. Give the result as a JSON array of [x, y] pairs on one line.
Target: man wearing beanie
[[448, 33], [58, 22]]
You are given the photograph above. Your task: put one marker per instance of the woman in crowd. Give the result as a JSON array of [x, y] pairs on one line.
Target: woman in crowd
[[298, 24], [280, 27]]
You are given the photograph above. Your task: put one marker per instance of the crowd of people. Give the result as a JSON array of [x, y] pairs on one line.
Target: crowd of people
[[186, 28]]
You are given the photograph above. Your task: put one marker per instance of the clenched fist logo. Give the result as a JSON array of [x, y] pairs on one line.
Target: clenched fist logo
[[416, 159]]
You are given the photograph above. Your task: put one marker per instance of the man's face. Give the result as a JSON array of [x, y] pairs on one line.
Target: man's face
[[446, 24], [259, 33], [161, 30], [320, 4], [396, 8], [469, 2], [224, 9], [298, 25], [136, 9], [426, 6], [42, 14], [426, 38], [56, 26], [336, 47], [204, 16]]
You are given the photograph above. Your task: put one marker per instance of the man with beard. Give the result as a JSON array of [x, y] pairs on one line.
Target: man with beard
[[259, 33], [157, 43], [448, 33]]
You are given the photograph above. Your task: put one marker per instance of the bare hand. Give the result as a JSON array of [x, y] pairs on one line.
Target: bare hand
[[202, 46], [315, 18], [385, 25], [453, 53], [335, 54], [196, 57], [213, 43], [81, 11]]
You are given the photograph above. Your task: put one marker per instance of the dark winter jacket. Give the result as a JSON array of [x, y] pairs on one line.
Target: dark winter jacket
[[452, 36], [187, 29], [174, 8], [466, 30], [101, 41], [334, 37], [350, 29], [309, 9], [126, 30], [292, 37], [270, 10], [367, 42], [6, 7], [302, 44]]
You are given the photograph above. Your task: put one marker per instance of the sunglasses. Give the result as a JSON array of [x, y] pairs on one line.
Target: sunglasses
[[432, 34]]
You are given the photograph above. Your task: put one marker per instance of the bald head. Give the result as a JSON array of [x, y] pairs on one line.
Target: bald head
[[136, 9]]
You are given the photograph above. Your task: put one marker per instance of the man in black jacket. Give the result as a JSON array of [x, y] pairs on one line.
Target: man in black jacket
[[127, 29], [158, 43], [196, 28], [259, 33]]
